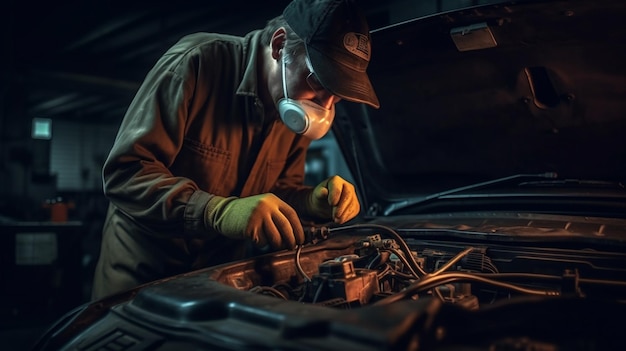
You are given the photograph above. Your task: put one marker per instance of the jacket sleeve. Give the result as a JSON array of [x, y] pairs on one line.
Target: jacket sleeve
[[136, 177]]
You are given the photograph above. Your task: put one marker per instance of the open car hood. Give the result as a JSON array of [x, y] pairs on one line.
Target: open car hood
[[468, 96]]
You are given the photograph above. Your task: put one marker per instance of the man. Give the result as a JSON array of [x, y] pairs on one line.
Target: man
[[210, 154]]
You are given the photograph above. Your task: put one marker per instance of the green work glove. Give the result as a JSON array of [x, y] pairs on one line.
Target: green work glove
[[264, 219], [334, 199]]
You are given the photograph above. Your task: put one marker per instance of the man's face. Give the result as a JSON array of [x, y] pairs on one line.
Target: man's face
[[302, 84]]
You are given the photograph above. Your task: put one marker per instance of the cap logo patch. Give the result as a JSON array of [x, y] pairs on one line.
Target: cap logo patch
[[358, 44]]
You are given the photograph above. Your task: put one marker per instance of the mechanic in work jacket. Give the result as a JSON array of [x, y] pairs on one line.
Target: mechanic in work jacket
[[204, 164]]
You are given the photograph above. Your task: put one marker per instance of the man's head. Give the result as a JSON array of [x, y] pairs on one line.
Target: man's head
[[319, 65], [337, 43]]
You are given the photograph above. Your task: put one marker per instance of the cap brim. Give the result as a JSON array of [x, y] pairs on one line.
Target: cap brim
[[342, 81]]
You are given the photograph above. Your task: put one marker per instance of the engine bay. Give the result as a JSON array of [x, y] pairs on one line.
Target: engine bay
[[373, 287], [374, 265]]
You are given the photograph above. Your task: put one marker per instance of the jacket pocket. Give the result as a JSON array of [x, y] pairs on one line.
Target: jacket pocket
[[206, 165]]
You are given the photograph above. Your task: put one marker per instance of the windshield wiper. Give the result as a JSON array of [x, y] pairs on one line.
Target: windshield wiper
[[573, 182], [419, 200]]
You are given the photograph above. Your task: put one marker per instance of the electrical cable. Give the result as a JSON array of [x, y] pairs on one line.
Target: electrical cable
[[268, 289], [555, 278], [386, 269], [405, 261], [371, 263], [451, 262], [399, 239], [286, 287], [398, 274], [439, 294], [318, 291], [430, 282], [299, 266]]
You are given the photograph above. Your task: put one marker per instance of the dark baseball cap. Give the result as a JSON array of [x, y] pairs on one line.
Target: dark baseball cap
[[337, 40]]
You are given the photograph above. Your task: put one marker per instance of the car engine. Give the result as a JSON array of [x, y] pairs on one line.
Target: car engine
[[372, 287], [373, 265]]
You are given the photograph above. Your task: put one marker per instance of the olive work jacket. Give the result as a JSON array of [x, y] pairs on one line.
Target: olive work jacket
[[196, 128]]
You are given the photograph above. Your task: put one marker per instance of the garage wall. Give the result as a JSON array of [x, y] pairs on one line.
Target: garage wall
[[77, 152]]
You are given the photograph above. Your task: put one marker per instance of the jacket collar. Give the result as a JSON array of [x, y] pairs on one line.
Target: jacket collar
[[251, 46]]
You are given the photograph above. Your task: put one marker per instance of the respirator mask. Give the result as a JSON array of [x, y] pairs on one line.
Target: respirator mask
[[303, 116]]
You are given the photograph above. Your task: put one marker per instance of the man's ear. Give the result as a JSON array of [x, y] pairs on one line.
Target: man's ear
[[278, 42]]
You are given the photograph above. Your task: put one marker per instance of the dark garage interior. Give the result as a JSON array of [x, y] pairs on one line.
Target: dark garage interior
[[69, 71]]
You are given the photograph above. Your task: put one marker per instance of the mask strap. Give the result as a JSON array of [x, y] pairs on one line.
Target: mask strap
[[284, 79]]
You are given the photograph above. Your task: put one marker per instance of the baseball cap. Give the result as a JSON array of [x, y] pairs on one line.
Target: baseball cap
[[337, 41]]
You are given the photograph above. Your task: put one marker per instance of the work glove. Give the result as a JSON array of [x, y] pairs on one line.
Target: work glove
[[334, 199], [264, 219]]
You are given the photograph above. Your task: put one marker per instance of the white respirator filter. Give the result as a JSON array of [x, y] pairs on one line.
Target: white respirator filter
[[303, 116]]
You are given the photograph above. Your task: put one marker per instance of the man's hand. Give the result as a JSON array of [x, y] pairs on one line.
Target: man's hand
[[265, 219], [335, 199]]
